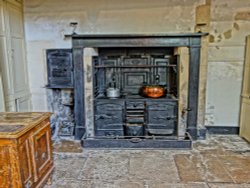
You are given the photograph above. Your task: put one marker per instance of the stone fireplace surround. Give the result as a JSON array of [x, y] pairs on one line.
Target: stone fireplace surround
[[85, 47]]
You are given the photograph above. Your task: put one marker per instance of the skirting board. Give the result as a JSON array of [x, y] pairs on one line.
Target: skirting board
[[222, 130]]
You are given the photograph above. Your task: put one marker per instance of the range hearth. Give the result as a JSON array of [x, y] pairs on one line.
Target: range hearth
[[130, 112], [126, 90]]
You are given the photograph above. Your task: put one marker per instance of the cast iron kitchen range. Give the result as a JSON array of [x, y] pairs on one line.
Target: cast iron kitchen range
[[142, 103], [135, 98]]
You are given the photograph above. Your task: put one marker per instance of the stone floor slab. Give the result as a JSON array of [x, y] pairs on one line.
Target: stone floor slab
[[109, 167], [70, 184], [189, 168], [70, 146], [226, 185], [218, 162], [238, 166], [68, 167], [129, 184], [201, 168], [151, 167], [178, 185]]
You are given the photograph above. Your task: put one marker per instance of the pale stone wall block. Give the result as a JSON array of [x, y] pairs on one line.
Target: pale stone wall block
[[223, 93]]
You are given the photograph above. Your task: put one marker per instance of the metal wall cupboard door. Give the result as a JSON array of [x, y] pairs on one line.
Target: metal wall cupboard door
[[245, 96]]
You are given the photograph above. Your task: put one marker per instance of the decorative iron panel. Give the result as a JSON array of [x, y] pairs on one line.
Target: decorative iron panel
[[162, 116], [109, 115], [109, 133], [60, 68]]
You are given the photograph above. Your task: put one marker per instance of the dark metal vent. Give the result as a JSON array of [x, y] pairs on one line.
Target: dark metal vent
[[60, 68]]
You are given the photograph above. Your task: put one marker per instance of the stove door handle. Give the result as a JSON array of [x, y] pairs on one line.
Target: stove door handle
[[105, 116], [135, 140], [165, 118]]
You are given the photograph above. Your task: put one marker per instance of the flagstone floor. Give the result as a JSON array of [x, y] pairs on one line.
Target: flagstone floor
[[219, 161]]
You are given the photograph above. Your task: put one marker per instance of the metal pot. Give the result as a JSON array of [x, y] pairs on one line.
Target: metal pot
[[113, 92], [152, 91]]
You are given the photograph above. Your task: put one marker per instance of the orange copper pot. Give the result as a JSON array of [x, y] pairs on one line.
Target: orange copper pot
[[153, 91]]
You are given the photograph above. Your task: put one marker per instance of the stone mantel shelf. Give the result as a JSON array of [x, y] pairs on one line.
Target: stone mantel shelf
[[155, 35], [137, 40]]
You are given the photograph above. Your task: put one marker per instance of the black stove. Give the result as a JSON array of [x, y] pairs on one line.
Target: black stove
[[130, 61]]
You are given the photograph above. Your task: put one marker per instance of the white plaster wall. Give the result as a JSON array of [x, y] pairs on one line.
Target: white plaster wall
[[223, 93], [225, 61], [46, 22]]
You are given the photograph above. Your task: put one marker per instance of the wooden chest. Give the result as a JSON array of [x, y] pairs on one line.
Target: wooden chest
[[25, 149]]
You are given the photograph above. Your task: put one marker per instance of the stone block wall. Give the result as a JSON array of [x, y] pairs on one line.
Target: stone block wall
[[228, 22], [229, 26]]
